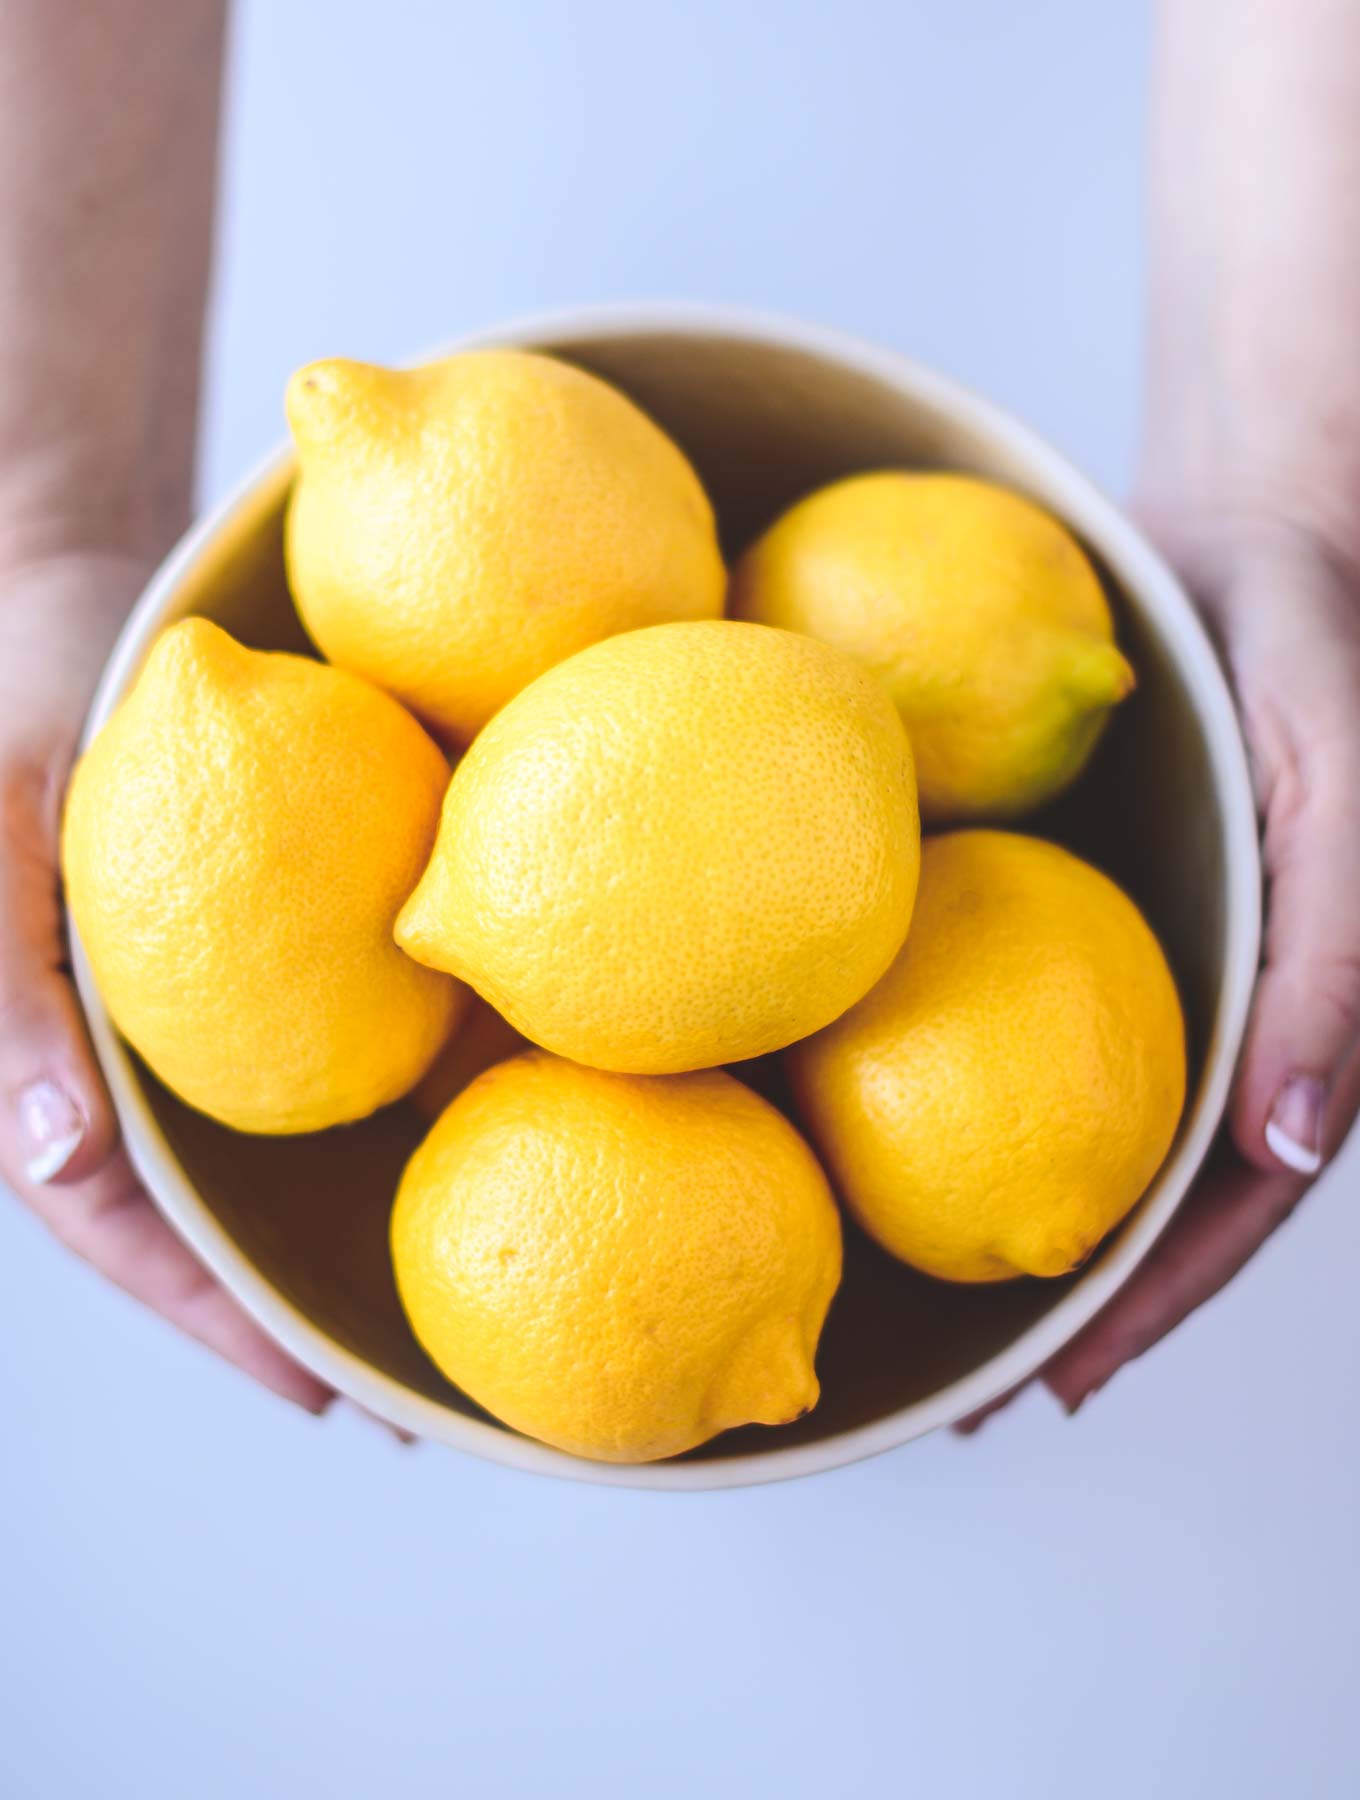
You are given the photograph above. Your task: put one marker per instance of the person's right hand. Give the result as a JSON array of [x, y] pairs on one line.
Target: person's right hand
[[59, 1148]]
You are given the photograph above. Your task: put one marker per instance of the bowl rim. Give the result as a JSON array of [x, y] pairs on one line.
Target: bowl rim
[[1137, 566]]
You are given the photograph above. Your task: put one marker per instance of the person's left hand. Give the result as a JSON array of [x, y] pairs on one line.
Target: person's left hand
[[1284, 606]]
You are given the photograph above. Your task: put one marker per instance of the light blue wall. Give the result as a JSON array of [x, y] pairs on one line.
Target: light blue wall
[[959, 177], [203, 1597]]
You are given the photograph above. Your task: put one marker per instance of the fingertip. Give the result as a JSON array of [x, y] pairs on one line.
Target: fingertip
[[1247, 1129], [63, 1124], [1072, 1389], [1130, 1324], [207, 1312], [308, 1393], [285, 1379], [1293, 1132], [57, 1123], [1279, 1119], [972, 1422], [275, 1369], [393, 1433]]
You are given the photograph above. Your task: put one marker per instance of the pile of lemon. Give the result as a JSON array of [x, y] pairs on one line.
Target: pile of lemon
[[681, 832]]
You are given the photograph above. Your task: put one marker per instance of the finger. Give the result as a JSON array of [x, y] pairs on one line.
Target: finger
[[1286, 1113], [109, 1221], [1230, 1213], [56, 1120], [971, 1422], [407, 1439], [1227, 1218]]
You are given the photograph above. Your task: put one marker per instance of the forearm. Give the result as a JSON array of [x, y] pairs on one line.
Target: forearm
[[1254, 347], [108, 128]]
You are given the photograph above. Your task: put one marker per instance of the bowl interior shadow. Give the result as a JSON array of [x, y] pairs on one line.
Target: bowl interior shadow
[[763, 423]]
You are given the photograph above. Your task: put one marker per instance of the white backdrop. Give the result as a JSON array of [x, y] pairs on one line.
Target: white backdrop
[[204, 1595]]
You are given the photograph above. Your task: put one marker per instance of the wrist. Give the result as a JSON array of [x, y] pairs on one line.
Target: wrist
[[59, 616], [1233, 558], [1212, 485], [71, 500]]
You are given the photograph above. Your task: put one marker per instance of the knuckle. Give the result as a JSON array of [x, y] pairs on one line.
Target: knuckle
[[1314, 797]]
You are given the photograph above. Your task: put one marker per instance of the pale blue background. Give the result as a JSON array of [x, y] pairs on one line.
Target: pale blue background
[[204, 1597]]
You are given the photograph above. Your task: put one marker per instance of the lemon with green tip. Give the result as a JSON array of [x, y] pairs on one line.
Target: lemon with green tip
[[979, 611]]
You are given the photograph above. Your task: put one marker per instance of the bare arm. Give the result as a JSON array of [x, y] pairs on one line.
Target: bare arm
[[1253, 410], [1251, 481], [108, 129]]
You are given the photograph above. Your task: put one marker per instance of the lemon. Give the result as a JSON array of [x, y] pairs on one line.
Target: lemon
[[1009, 1089], [621, 1266], [682, 847], [979, 611], [459, 528], [237, 842]]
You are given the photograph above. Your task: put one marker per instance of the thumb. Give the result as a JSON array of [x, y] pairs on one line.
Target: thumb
[[56, 1121], [1287, 1112]]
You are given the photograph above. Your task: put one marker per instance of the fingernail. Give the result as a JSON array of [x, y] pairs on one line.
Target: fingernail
[[52, 1127], [1294, 1129]]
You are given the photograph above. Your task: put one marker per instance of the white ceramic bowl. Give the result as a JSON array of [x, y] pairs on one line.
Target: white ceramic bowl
[[768, 409]]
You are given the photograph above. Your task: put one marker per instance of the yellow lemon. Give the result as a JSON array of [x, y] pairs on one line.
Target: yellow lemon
[[1009, 1089], [978, 610], [459, 528], [684, 846], [236, 845], [622, 1266]]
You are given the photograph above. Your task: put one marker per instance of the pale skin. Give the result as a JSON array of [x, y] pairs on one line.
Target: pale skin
[[1250, 482]]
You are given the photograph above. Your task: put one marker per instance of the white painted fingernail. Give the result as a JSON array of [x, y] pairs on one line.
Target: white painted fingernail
[[53, 1129], [1294, 1128]]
